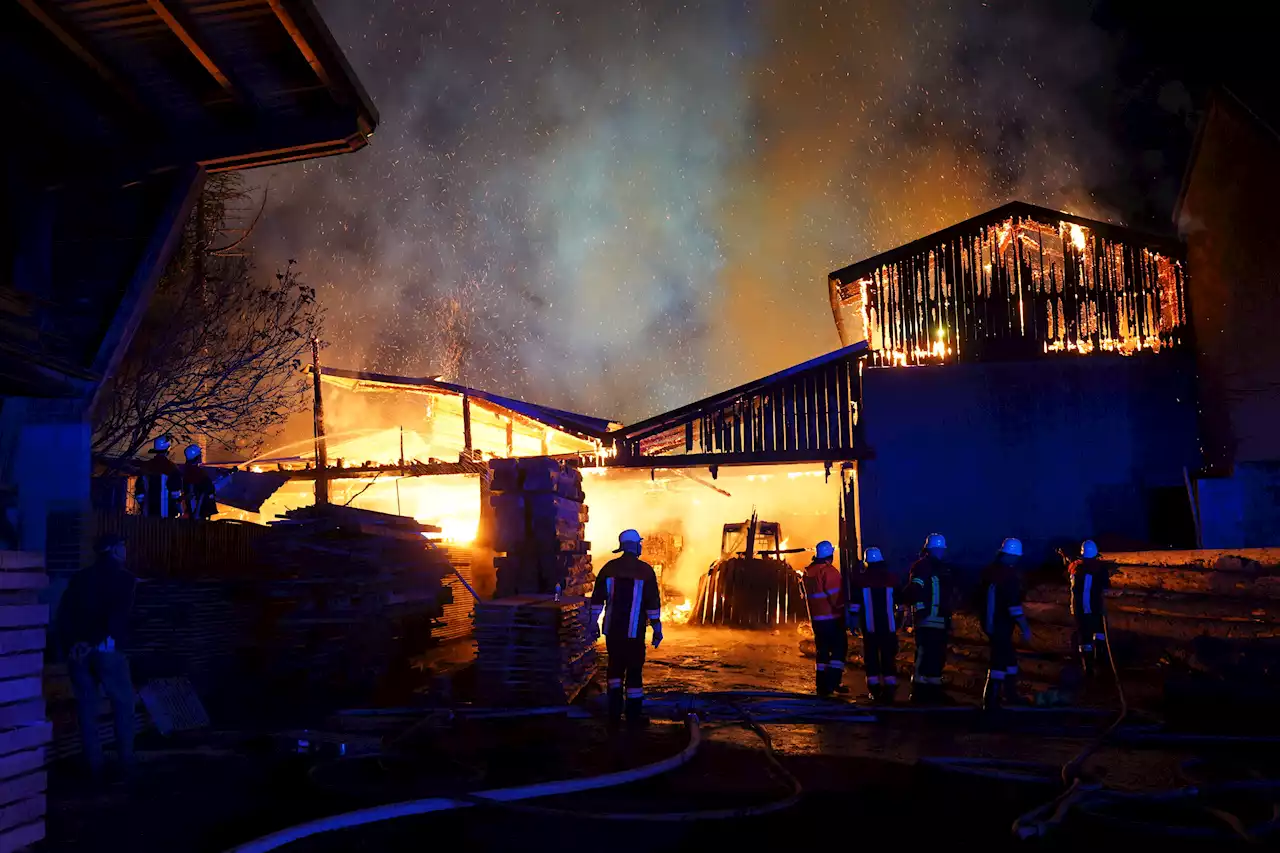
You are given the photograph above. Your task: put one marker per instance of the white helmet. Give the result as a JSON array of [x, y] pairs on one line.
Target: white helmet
[[825, 550], [1088, 549], [1012, 547], [160, 445], [192, 452], [935, 540], [628, 537], [872, 555]]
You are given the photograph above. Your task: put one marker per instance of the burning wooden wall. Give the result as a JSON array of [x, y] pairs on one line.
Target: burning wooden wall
[[1017, 282]]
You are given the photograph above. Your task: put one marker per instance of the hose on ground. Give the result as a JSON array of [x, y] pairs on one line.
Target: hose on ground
[[391, 811]]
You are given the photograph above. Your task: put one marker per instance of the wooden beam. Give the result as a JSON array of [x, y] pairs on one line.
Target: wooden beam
[[300, 41], [183, 195], [60, 28], [177, 22], [706, 460]]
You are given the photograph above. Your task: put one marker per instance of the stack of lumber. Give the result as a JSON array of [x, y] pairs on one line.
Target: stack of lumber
[[344, 598], [455, 621], [533, 650], [540, 520], [24, 728]]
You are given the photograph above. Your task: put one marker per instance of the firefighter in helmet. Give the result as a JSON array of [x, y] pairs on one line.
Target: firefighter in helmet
[[158, 488], [825, 591], [1001, 609], [626, 592], [929, 592], [872, 614], [197, 487], [1090, 578]]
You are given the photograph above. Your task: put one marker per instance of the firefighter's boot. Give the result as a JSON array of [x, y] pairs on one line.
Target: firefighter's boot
[[636, 717], [837, 681], [615, 705], [991, 694]]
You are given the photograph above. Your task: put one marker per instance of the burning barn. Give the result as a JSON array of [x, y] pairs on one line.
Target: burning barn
[[1029, 374]]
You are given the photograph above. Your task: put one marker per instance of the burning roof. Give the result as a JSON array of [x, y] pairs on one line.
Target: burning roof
[[1016, 282]]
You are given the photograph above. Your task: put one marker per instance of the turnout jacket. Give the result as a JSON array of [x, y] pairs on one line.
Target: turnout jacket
[[823, 586], [929, 590], [627, 591], [1001, 604], [159, 487], [871, 598], [1090, 579]]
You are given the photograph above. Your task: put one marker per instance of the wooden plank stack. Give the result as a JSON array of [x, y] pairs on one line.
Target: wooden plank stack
[[455, 621], [540, 520], [533, 650], [344, 599], [24, 729]]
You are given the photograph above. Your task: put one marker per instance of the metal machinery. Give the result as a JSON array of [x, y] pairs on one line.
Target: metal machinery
[[751, 585]]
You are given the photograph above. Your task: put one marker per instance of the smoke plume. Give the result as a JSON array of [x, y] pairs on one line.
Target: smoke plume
[[621, 208]]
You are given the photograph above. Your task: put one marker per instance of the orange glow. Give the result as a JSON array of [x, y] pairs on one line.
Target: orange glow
[[677, 614]]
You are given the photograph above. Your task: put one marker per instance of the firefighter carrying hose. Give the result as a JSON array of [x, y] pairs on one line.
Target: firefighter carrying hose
[[626, 591], [197, 487], [871, 613], [158, 489], [825, 590], [1090, 578], [1001, 609], [929, 592]]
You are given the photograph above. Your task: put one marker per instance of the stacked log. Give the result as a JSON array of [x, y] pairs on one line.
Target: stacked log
[[456, 619], [540, 520], [344, 599], [24, 728], [533, 650]]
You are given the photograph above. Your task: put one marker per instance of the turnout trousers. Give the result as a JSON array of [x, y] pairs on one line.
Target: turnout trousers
[[626, 667], [879, 657], [931, 655], [831, 644]]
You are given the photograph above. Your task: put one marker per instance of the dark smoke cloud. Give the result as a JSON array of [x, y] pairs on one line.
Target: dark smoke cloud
[[620, 208]]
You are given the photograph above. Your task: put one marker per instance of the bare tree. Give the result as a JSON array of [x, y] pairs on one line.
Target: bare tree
[[219, 355]]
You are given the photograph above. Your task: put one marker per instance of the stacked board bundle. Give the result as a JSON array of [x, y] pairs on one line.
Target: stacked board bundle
[[24, 729], [532, 650], [540, 520], [345, 599]]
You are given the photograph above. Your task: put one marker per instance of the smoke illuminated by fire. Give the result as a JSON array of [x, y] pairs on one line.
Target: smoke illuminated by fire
[[620, 208]]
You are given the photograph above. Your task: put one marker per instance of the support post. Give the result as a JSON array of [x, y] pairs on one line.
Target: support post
[[322, 448], [466, 425]]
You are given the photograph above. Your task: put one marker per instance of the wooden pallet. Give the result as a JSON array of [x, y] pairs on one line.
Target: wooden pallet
[[24, 729]]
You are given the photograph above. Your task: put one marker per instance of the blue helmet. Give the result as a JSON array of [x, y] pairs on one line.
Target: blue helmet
[[872, 555], [825, 550], [1088, 549], [161, 445]]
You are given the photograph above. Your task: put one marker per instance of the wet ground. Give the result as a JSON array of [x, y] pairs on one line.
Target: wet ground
[[862, 780]]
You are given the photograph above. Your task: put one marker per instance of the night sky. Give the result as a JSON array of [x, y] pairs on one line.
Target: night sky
[[620, 207]]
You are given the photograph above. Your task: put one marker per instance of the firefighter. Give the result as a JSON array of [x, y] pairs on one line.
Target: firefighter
[[626, 591], [825, 591], [197, 487], [1001, 609], [1090, 578], [871, 613], [159, 485], [91, 622], [929, 592]]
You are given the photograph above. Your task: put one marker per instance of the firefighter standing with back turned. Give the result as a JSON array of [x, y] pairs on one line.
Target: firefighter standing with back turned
[[1090, 578], [929, 592], [626, 590], [159, 486], [825, 590], [197, 487], [1001, 609], [871, 613]]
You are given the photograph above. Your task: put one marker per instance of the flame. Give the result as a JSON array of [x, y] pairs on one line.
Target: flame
[[1078, 237], [677, 614]]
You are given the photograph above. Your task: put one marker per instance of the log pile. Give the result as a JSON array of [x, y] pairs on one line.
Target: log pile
[[533, 650], [455, 620], [540, 520], [24, 728], [345, 597]]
